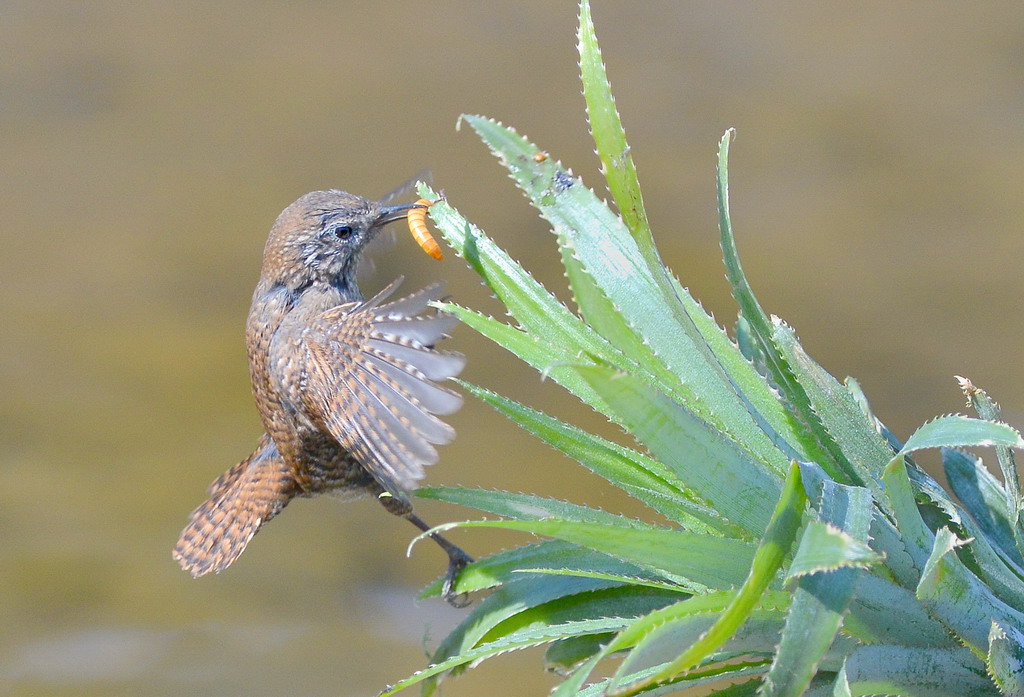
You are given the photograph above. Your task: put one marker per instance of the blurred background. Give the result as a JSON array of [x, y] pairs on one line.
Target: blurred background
[[147, 148]]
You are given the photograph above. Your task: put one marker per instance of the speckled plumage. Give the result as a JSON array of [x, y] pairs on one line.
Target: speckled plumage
[[345, 388]]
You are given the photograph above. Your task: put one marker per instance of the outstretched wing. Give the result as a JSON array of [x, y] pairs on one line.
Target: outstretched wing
[[370, 382]]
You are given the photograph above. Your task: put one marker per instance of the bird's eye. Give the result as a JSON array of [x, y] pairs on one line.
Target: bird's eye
[[343, 232]]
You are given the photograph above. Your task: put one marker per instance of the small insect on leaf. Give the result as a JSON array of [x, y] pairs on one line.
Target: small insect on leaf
[[540, 156], [418, 227]]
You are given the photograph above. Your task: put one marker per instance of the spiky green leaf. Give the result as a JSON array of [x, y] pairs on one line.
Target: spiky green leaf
[[825, 548], [913, 672], [691, 559], [899, 492], [820, 599], [812, 435], [640, 476], [610, 138], [534, 636], [777, 540], [697, 608], [650, 304], [526, 506], [958, 599], [551, 359], [855, 449], [984, 499], [504, 566], [988, 410], [660, 648], [504, 602], [955, 431], [710, 464], [1005, 659]]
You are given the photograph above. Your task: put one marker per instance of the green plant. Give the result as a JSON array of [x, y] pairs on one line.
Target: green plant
[[804, 552]]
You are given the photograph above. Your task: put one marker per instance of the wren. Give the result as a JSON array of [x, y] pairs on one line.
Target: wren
[[346, 388]]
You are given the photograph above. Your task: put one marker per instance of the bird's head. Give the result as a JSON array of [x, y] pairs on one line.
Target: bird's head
[[319, 238]]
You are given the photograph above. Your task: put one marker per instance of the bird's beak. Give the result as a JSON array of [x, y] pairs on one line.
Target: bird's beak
[[389, 214]]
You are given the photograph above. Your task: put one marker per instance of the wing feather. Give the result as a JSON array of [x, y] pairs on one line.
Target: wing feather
[[369, 379]]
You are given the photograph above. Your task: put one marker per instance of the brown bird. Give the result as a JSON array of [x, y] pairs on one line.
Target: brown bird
[[345, 387]]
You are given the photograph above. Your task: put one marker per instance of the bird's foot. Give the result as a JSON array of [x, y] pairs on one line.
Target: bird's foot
[[457, 561]]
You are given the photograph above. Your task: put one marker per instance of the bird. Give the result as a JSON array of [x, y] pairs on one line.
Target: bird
[[346, 388]]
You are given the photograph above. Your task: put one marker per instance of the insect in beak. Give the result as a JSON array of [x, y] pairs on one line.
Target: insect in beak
[[418, 227]]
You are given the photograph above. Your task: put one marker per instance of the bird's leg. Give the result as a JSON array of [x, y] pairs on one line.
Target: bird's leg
[[457, 559]]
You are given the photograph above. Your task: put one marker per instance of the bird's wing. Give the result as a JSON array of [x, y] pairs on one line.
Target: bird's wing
[[369, 380]]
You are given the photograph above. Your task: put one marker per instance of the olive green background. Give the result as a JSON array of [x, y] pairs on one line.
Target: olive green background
[[147, 147]]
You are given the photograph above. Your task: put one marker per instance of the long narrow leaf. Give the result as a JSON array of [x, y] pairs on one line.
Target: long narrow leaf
[[505, 566], [955, 431], [526, 506], [778, 539], [755, 637], [734, 483], [547, 358], [520, 640], [646, 582], [537, 311], [694, 560], [900, 495], [812, 436], [505, 602], [984, 499], [1005, 659], [610, 139], [650, 305], [640, 476], [958, 599], [917, 672], [988, 410], [694, 679], [701, 606], [821, 599], [836, 420], [623, 601]]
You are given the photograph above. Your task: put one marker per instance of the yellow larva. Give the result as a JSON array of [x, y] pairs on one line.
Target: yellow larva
[[418, 227]]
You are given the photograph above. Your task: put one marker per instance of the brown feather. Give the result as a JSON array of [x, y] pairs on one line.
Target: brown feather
[[345, 388], [242, 500], [369, 380]]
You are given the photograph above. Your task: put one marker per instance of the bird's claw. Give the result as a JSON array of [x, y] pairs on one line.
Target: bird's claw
[[457, 561]]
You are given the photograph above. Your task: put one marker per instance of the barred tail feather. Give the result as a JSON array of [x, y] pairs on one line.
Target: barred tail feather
[[242, 500]]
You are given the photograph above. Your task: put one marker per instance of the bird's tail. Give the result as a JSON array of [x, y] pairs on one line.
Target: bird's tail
[[241, 501]]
